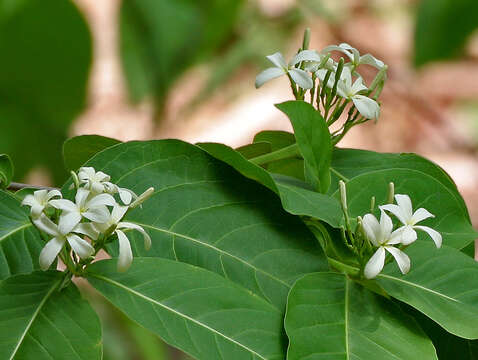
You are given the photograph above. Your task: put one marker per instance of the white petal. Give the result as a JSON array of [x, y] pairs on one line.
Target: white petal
[[125, 255], [366, 106], [386, 225], [54, 193], [81, 247], [305, 55], [397, 211], [98, 214], [102, 199], [346, 78], [375, 264], [405, 235], [368, 59], [146, 237], [100, 176], [321, 73], [268, 74], [45, 224], [81, 196], [87, 229], [372, 228], [68, 220], [37, 210], [96, 187], [301, 78], [358, 86], [435, 235], [86, 173], [338, 48], [125, 196], [278, 60], [64, 204], [118, 212], [421, 214], [405, 204], [29, 200], [401, 258], [50, 251]]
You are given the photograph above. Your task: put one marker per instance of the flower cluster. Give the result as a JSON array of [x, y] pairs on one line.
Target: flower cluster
[[384, 238], [95, 213]]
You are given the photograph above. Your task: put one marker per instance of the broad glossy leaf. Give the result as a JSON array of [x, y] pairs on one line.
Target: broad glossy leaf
[[20, 242], [255, 149], [331, 317], [43, 80], [439, 17], [6, 171], [193, 309], [79, 149], [349, 163], [37, 321], [450, 219], [297, 197], [205, 213], [441, 284], [313, 138]]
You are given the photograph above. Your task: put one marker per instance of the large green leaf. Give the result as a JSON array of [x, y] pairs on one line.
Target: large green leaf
[[20, 242], [441, 284], [6, 171], [331, 317], [204, 213], [193, 309], [296, 197], [442, 28], [450, 219], [313, 139], [38, 321], [79, 149], [43, 80]]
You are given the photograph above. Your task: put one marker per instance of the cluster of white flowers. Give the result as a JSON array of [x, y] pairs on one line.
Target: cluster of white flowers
[[382, 235], [89, 215], [308, 65]]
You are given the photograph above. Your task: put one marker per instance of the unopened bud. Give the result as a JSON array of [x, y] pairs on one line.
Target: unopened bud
[[391, 193], [76, 181], [343, 195], [142, 198]]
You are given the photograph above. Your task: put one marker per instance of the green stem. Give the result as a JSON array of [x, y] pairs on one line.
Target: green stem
[[348, 269], [284, 153]]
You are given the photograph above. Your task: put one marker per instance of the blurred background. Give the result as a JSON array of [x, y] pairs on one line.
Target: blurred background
[[152, 69]]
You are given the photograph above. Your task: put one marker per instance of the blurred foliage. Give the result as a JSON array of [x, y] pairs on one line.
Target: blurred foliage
[[442, 28], [45, 49]]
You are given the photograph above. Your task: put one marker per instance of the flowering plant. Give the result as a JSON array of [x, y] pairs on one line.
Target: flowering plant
[[287, 236]]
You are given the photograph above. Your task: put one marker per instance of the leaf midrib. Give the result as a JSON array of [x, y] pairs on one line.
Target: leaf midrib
[[186, 317]]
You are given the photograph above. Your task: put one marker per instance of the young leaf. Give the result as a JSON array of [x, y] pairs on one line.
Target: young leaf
[[441, 284], [313, 139], [331, 317], [255, 149], [20, 242], [38, 321], [450, 219], [277, 139], [79, 149], [204, 213], [6, 171], [193, 309]]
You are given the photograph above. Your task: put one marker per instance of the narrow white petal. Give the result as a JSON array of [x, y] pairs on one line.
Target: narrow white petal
[[368, 59], [346, 78], [102, 199], [81, 196], [125, 196], [366, 106], [421, 214], [64, 204], [87, 229], [375, 264], [80, 246], [435, 235], [125, 255], [301, 78], [358, 86], [405, 204], [386, 225], [268, 74], [146, 237], [338, 48], [305, 55], [321, 73], [100, 176], [397, 211], [118, 212], [96, 187], [86, 173], [405, 235], [278, 60], [37, 210], [54, 193], [401, 258], [68, 220], [29, 200], [50, 251], [45, 224], [98, 214], [372, 228]]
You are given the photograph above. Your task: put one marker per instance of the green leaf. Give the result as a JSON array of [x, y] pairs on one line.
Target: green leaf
[[204, 213], [296, 197], [43, 85], [255, 149], [349, 163], [313, 139], [439, 17], [39, 322], [450, 219], [6, 171], [20, 242], [193, 309], [278, 139], [331, 317], [79, 149], [441, 284]]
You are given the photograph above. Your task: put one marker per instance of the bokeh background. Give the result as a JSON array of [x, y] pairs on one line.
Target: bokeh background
[[152, 69]]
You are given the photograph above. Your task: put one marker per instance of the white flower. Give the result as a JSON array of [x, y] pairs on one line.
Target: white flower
[[354, 55], [92, 208], [381, 235], [301, 77], [125, 254], [61, 233], [39, 201], [404, 212], [366, 106]]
